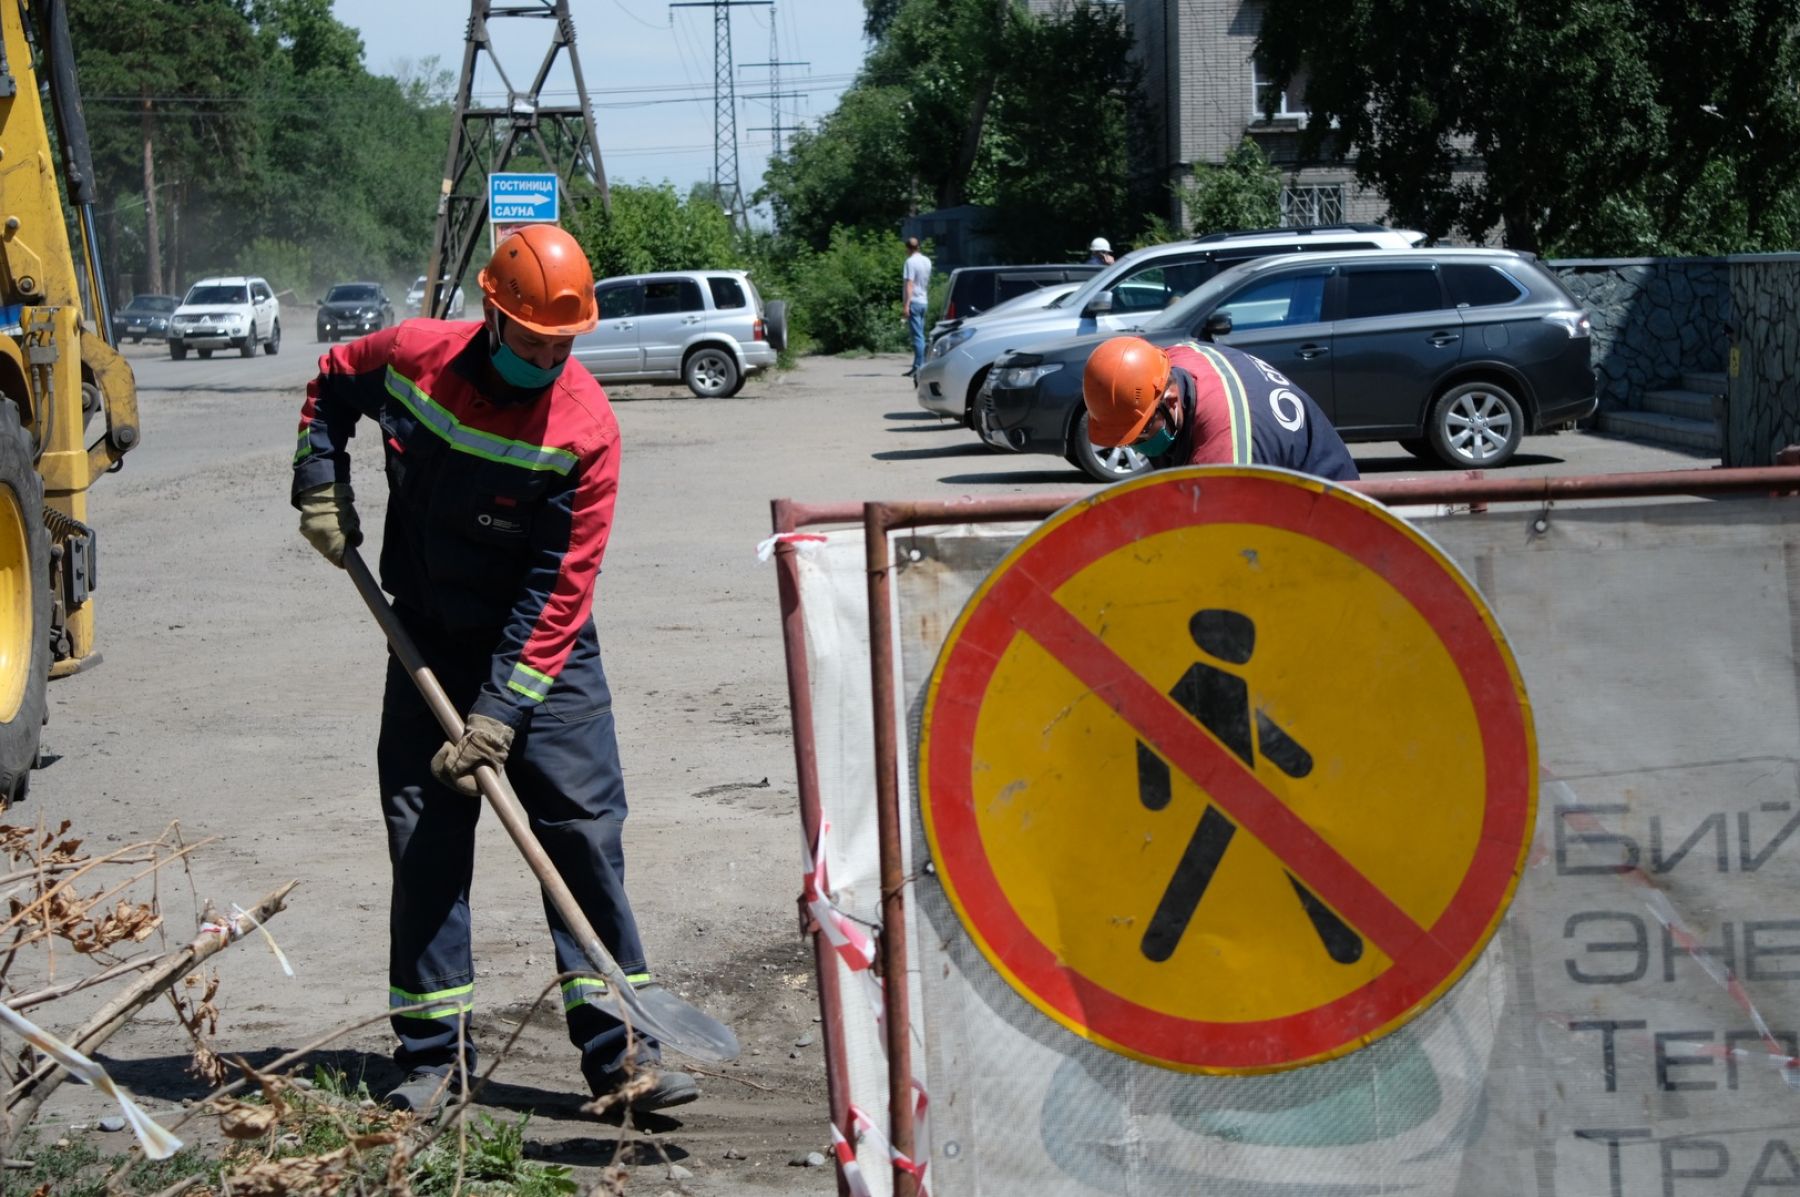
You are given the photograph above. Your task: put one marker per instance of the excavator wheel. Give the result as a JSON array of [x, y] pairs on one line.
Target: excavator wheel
[[24, 606]]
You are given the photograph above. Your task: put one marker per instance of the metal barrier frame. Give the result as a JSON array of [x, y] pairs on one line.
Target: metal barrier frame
[[1472, 491]]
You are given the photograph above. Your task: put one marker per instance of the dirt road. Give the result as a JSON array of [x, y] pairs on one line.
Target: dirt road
[[240, 688]]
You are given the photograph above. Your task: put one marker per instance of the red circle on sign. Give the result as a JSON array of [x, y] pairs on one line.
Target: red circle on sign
[[1426, 961]]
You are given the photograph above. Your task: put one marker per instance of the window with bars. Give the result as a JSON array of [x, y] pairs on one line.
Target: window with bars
[[1317, 203]]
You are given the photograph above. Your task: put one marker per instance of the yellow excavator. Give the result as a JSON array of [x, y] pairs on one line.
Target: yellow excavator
[[59, 375]]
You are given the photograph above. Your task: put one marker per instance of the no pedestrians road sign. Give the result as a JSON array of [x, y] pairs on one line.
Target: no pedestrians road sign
[[523, 198], [1228, 770]]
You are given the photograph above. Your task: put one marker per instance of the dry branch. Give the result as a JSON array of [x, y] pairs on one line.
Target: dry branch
[[30, 1094]]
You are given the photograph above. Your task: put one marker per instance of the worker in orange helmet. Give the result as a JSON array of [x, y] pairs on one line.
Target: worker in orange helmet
[[1194, 404], [502, 463]]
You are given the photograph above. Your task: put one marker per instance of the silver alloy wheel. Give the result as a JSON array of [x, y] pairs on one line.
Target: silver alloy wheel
[[1478, 426], [710, 372], [1122, 460]]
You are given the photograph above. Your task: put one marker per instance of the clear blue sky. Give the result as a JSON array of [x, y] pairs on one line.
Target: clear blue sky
[[648, 69]]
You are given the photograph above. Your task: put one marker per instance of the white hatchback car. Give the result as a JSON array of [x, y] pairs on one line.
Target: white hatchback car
[[226, 313], [415, 299]]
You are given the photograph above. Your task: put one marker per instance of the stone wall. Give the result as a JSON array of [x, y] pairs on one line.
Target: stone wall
[[1653, 318], [1762, 410]]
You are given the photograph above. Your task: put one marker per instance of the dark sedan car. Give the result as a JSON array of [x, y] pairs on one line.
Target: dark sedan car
[[145, 316], [1455, 353], [351, 309]]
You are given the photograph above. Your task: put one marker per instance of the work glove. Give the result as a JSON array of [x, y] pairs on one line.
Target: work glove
[[328, 520], [485, 741]]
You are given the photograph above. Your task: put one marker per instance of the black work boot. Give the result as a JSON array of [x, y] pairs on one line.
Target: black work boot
[[647, 1086], [424, 1092]]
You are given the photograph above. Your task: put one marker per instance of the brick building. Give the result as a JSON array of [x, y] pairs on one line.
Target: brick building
[[1204, 95]]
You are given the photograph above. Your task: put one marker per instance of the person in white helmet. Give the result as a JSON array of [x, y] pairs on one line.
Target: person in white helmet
[[1100, 252]]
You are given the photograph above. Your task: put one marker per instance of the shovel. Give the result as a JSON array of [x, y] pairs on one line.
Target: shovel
[[652, 1010]]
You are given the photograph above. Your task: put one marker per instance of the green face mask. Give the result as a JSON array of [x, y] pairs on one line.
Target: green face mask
[[1157, 445], [523, 374]]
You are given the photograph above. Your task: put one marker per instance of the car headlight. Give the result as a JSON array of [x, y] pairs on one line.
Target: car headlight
[[1019, 378], [949, 341]]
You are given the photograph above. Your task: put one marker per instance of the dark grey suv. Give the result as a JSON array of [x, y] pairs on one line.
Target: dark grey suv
[[1456, 353]]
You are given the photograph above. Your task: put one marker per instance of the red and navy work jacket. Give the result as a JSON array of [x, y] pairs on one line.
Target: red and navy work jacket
[[499, 505], [1239, 410]]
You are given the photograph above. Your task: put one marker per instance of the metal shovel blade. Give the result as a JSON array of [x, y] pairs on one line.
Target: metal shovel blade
[[651, 1010]]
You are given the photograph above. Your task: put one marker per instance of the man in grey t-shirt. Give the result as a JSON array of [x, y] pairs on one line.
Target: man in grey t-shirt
[[915, 286]]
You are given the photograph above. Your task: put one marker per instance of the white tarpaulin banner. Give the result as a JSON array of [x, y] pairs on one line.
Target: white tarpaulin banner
[[1630, 1029]]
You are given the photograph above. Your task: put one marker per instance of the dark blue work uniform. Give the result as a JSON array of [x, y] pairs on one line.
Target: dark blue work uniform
[[1239, 410], [500, 506]]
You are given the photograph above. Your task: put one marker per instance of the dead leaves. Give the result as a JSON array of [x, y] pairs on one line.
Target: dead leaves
[[201, 1018]]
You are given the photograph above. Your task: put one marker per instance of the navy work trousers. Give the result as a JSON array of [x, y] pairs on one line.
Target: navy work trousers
[[564, 765]]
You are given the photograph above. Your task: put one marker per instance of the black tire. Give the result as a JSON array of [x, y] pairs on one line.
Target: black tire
[[1476, 426], [204, 353], [21, 484], [247, 347], [1099, 464], [711, 372], [334, 336], [775, 324], [177, 351], [320, 335], [272, 346], [1420, 447], [137, 340]]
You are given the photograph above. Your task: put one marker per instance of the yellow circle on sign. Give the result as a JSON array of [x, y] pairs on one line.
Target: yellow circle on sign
[[1227, 770], [1085, 862]]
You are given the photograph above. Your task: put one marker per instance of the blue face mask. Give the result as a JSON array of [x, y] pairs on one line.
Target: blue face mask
[[523, 374], [1157, 445]]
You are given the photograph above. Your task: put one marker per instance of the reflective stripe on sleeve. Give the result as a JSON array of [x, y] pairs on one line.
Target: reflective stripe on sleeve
[[442, 1003], [473, 441], [529, 682]]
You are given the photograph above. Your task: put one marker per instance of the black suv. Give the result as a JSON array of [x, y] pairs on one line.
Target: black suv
[[975, 289], [1455, 353]]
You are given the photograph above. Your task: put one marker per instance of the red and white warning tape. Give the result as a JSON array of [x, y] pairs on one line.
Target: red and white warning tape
[[765, 549], [856, 948]]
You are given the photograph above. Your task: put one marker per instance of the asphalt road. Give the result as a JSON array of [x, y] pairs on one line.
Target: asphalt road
[[240, 688]]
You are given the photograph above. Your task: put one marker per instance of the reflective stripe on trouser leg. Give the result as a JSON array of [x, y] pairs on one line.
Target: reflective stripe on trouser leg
[[431, 847], [593, 990], [565, 767]]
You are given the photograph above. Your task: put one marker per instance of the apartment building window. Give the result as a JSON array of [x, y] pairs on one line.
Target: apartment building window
[[1315, 203], [1289, 102]]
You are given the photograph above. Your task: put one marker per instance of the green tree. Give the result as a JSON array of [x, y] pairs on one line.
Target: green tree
[[1056, 165], [1244, 192], [854, 170], [653, 228], [1605, 126]]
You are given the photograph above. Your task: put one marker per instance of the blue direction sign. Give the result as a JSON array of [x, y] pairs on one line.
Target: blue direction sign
[[521, 198]]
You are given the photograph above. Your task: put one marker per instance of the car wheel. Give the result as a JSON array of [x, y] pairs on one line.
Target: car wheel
[[1102, 464], [204, 354], [320, 335], [711, 373], [775, 324], [177, 351], [272, 346], [1476, 425], [137, 340], [247, 346], [1420, 447]]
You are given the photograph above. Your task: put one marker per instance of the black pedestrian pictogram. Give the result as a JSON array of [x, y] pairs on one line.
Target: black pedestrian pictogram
[[1220, 701]]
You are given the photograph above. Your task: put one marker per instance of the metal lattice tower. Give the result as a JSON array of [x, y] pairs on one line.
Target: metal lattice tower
[[485, 139], [725, 145], [774, 95]]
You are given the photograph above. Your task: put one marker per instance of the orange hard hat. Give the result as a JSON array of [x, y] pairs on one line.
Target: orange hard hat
[[539, 277], [1125, 378]]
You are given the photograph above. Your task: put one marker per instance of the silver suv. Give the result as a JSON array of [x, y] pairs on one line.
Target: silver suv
[[706, 328], [1121, 296]]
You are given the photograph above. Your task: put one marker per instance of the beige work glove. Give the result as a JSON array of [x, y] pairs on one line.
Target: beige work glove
[[328, 520], [485, 741]]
